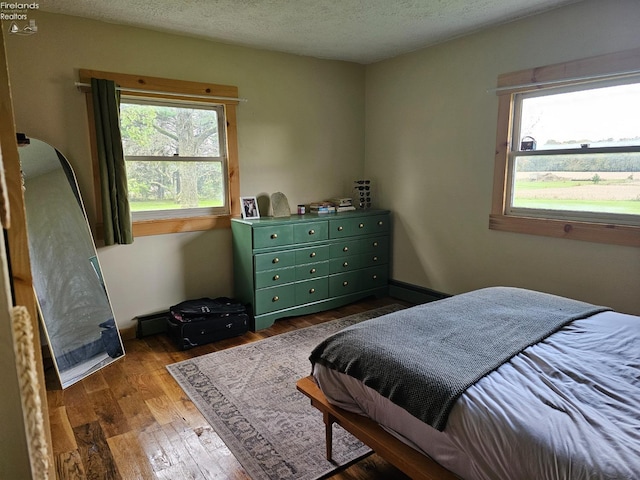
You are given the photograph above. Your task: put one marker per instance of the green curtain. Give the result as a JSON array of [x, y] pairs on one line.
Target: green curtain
[[113, 175]]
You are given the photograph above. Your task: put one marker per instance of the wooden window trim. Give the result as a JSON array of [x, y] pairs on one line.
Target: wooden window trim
[[172, 225], [516, 82]]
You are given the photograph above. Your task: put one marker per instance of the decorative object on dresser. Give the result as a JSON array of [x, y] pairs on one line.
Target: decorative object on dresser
[[343, 204], [322, 207], [249, 207], [363, 189], [309, 263], [280, 205]]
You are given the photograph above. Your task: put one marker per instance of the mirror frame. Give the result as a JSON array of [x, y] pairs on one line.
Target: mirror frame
[[72, 298]]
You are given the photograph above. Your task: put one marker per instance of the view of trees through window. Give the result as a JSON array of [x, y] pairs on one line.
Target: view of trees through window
[[587, 152], [174, 156]]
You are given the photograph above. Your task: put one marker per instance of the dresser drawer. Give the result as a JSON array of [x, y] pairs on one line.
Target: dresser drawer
[[312, 254], [272, 236], [347, 227], [344, 283], [374, 224], [269, 261], [347, 247], [373, 258], [271, 278], [355, 245], [312, 270], [275, 298], [342, 227], [312, 290], [346, 264], [374, 277], [310, 232], [375, 244]]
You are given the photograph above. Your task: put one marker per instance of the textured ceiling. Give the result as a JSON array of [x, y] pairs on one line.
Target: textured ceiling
[[362, 31]]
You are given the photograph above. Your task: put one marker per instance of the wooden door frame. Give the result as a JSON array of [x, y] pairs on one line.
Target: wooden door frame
[[17, 244]]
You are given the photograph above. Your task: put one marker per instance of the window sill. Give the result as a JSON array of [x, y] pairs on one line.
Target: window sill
[[146, 228], [626, 235], [175, 225]]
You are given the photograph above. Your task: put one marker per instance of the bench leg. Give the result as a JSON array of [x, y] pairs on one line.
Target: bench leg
[[328, 433]]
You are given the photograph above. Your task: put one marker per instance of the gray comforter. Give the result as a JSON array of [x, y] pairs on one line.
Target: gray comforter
[[466, 337]]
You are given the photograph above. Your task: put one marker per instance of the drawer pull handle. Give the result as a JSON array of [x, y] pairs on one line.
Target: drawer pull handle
[[274, 236], [344, 284], [340, 229], [380, 223], [276, 277], [312, 290], [275, 299], [375, 277], [345, 249], [375, 259], [313, 270], [275, 260], [375, 244], [312, 232], [313, 254], [361, 225], [345, 264]]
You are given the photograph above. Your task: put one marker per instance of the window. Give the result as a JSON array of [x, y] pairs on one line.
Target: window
[[180, 145], [581, 156], [568, 152], [175, 156]]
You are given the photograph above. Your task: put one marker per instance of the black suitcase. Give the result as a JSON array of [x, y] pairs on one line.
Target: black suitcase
[[205, 320]]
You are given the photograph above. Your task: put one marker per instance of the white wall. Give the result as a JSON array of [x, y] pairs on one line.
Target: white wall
[[301, 133], [430, 141]]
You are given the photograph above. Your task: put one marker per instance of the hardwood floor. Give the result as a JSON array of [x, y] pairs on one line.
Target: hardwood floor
[[131, 420]]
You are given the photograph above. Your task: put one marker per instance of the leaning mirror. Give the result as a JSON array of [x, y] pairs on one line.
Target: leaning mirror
[[73, 303]]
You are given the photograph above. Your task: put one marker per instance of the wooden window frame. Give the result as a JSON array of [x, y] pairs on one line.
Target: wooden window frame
[[559, 74], [221, 94]]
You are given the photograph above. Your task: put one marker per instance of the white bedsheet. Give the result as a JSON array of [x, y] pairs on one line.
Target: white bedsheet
[[566, 408]]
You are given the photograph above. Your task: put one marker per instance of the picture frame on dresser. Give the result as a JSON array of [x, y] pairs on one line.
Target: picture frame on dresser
[[249, 207]]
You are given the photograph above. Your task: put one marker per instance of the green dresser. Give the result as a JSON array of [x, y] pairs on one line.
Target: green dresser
[[309, 263]]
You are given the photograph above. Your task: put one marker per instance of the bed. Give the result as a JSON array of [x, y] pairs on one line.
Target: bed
[[499, 383]]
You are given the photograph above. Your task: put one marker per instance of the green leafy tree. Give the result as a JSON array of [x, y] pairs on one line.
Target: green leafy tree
[[149, 130]]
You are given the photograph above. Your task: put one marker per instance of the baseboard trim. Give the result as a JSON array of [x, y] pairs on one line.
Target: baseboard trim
[[414, 293], [128, 333]]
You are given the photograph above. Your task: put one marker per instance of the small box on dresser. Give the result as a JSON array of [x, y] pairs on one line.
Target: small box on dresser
[[308, 263]]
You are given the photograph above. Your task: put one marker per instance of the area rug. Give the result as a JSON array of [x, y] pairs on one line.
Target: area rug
[[248, 394]]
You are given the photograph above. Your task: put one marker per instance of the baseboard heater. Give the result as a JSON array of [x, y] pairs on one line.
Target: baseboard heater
[[152, 324]]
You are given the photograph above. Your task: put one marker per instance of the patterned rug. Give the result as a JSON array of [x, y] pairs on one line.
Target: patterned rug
[[248, 395]]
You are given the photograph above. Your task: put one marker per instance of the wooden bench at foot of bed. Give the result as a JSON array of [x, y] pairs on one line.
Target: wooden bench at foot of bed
[[413, 463]]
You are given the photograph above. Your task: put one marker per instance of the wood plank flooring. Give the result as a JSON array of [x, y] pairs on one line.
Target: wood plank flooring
[[132, 421]]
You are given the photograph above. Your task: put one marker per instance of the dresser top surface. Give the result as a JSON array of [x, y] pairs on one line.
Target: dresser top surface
[[309, 217]]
